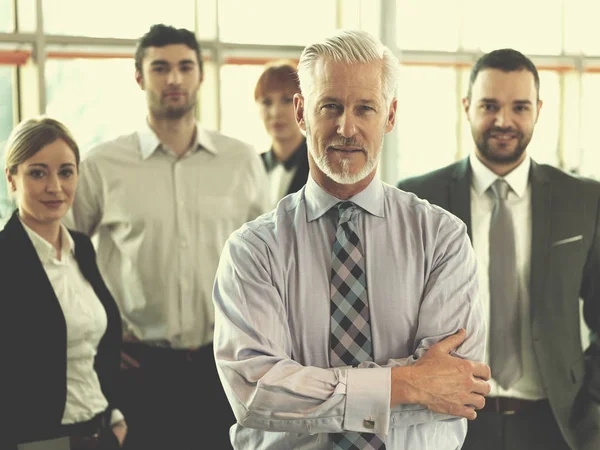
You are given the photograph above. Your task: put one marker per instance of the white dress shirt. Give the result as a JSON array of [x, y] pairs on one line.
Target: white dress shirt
[[529, 386], [280, 179], [86, 322], [160, 222]]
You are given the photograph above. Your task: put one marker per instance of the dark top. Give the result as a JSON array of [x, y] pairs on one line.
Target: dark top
[[33, 335], [298, 159]]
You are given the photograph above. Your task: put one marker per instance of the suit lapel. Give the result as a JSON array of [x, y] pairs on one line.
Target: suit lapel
[[28, 260], [541, 197], [460, 193]]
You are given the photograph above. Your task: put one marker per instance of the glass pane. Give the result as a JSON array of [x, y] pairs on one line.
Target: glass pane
[[361, 15], [27, 16], [6, 102], [113, 18], [590, 145], [514, 23], [97, 99], [544, 144], [239, 113], [581, 27], [6, 124], [206, 18], [426, 119], [427, 24], [6, 16], [466, 138], [571, 128], [277, 22]]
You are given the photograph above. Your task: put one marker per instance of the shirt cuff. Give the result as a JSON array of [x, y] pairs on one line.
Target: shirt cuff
[[368, 400], [116, 416]]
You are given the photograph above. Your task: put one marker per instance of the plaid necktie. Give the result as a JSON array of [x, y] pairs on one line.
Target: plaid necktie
[[350, 328], [505, 321]]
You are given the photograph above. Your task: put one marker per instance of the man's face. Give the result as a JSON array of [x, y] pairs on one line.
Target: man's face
[[503, 111], [171, 78], [345, 118]]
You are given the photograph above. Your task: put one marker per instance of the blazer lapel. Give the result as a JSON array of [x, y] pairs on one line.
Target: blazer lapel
[[26, 256], [460, 193], [541, 198]]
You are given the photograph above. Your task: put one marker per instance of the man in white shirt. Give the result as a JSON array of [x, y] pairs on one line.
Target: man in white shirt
[[538, 251], [161, 202]]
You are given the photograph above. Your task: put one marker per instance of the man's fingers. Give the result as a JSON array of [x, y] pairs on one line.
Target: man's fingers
[[482, 371], [476, 401], [481, 387], [451, 342], [466, 411]]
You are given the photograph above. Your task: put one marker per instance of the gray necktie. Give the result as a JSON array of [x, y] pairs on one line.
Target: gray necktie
[[505, 317]]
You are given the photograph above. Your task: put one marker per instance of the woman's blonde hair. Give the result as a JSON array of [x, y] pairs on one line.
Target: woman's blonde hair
[[32, 135]]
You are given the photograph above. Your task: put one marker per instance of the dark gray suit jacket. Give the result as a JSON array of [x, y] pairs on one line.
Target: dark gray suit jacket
[[565, 265]]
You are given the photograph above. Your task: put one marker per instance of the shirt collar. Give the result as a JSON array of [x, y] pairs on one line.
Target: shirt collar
[[44, 249], [293, 161], [483, 177], [149, 141], [319, 201]]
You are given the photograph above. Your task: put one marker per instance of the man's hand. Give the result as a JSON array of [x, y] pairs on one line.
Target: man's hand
[[441, 382]]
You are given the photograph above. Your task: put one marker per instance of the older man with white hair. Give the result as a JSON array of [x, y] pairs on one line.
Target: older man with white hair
[[349, 317]]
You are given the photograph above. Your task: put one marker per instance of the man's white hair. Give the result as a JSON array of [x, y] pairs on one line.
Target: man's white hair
[[350, 47]]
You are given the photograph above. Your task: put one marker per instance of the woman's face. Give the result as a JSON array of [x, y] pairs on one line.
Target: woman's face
[[45, 184], [277, 113]]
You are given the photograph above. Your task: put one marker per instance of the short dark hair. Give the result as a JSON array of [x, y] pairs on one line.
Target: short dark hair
[[507, 60], [161, 35]]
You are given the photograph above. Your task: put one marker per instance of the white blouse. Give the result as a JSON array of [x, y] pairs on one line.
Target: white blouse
[[86, 324]]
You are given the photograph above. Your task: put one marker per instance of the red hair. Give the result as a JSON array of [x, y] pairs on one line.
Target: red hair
[[277, 76]]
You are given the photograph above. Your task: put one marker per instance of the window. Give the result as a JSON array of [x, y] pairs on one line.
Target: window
[[6, 16], [275, 22], [514, 23], [426, 119], [113, 18], [581, 27], [427, 24], [239, 112], [544, 144], [6, 101], [97, 99], [590, 145], [6, 124]]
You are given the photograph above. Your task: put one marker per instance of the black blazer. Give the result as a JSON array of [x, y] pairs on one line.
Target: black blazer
[[565, 265], [298, 159], [33, 331]]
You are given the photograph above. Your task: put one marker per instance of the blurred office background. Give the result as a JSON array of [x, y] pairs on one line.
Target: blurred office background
[[72, 59]]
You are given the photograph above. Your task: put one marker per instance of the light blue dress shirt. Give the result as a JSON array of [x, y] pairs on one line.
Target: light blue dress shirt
[[272, 328]]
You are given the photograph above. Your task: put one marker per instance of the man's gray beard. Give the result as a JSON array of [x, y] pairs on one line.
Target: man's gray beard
[[345, 177]]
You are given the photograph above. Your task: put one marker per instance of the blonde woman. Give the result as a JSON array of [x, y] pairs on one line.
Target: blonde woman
[[61, 329]]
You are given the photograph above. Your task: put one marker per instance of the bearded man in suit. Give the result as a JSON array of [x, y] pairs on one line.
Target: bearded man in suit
[[536, 235]]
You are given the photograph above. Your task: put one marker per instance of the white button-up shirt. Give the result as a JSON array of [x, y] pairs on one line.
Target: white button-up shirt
[[160, 222]]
